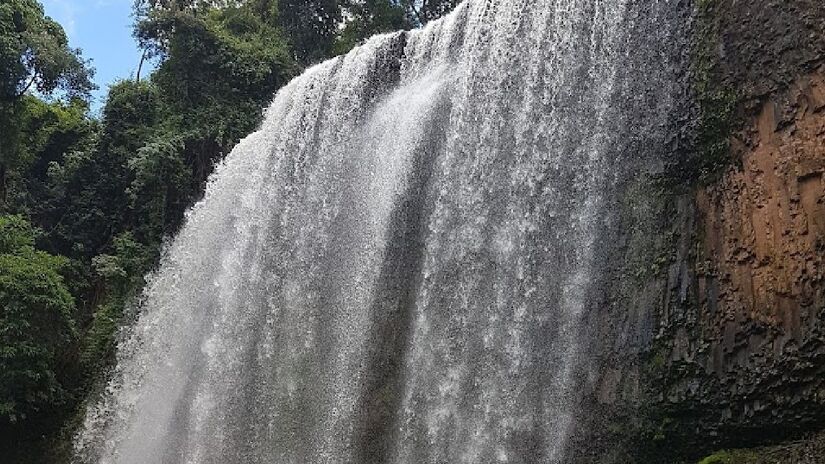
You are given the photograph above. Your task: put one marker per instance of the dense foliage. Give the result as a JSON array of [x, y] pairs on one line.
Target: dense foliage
[[87, 202], [36, 322], [34, 55]]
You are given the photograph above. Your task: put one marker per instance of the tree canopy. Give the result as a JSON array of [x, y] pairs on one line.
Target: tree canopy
[[34, 52]]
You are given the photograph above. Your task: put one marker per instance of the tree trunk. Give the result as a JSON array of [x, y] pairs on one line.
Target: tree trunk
[[140, 66]]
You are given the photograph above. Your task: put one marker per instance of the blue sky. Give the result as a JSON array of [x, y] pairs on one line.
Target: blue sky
[[103, 30]]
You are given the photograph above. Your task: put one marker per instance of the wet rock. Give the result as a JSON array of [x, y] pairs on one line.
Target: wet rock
[[723, 344]]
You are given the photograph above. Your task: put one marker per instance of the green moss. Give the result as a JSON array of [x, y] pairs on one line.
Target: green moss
[[731, 457], [715, 124], [645, 201], [717, 102], [658, 361], [660, 434]]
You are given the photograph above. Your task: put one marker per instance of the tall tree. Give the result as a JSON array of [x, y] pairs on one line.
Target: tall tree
[[34, 54], [219, 67]]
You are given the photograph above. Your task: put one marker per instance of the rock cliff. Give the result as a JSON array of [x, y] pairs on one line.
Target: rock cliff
[[712, 328]]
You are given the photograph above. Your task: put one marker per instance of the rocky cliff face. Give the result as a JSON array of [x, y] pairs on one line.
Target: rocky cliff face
[[714, 332], [739, 355]]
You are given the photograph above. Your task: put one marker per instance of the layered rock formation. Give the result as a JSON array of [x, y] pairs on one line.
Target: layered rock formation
[[740, 353], [714, 332]]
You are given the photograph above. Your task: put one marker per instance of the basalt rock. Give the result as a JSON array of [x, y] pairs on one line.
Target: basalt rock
[[713, 334]]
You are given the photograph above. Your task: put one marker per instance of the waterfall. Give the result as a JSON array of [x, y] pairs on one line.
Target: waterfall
[[396, 267]]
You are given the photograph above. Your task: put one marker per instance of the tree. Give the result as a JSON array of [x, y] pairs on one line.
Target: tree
[[36, 322], [311, 26], [34, 54], [160, 190], [48, 133], [424, 11], [366, 18], [89, 205], [219, 68]]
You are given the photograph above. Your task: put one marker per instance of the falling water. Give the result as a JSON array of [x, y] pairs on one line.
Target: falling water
[[395, 268]]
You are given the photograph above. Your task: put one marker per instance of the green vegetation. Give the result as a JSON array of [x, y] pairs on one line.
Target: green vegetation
[[808, 449], [730, 457], [35, 325], [717, 101], [718, 105], [86, 203]]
